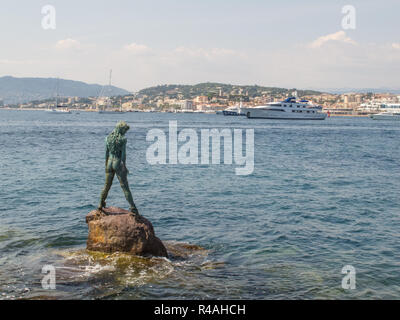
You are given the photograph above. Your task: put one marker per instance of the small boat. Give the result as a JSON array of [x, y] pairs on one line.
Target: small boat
[[234, 111], [289, 109], [231, 111], [110, 111], [58, 109], [387, 115]]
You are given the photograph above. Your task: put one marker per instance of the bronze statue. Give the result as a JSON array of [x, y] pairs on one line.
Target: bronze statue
[[116, 164]]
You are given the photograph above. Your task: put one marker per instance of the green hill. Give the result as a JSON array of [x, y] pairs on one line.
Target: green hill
[[214, 89]]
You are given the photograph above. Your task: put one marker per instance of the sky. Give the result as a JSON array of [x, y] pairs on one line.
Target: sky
[[288, 43]]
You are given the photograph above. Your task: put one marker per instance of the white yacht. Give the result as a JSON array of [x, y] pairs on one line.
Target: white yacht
[[234, 111], [231, 111], [288, 109], [59, 111], [391, 107], [377, 106], [371, 106], [388, 111], [387, 115]]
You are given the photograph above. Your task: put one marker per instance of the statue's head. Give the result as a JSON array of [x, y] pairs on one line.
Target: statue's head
[[122, 127]]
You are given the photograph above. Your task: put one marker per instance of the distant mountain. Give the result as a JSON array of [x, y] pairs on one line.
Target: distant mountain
[[18, 90], [359, 90], [214, 89]]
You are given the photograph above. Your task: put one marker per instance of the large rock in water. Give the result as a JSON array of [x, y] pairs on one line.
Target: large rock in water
[[117, 230]]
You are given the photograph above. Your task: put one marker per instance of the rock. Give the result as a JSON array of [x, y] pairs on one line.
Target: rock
[[118, 230], [181, 250]]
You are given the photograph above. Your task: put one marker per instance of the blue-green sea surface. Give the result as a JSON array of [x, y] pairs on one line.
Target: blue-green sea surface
[[323, 195]]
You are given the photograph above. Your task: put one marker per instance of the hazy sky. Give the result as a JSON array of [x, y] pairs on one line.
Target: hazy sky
[[283, 43]]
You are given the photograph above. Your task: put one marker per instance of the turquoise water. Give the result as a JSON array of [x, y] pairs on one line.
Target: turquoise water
[[323, 195]]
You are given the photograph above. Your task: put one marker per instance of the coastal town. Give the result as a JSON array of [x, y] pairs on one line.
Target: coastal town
[[214, 97]]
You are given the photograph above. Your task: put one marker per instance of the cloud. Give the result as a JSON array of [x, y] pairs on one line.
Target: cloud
[[68, 44], [17, 62], [209, 54], [177, 64], [204, 53], [339, 36], [137, 49], [141, 49], [179, 57], [396, 45]]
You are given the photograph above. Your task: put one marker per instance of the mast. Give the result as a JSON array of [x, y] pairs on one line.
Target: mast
[[103, 91], [57, 84], [109, 88]]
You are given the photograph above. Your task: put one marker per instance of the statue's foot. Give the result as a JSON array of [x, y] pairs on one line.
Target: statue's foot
[[101, 206], [134, 211]]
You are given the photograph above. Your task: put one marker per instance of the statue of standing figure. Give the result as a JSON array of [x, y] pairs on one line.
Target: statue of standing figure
[[116, 165]]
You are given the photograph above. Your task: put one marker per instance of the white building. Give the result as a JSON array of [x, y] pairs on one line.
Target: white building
[[186, 105]]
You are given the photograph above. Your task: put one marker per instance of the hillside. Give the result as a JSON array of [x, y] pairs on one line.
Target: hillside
[[18, 90], [214, 89]]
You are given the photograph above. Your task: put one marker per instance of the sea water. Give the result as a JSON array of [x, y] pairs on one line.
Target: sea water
[[323, 195]]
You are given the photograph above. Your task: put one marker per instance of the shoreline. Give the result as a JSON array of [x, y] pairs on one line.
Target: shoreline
[[148, 111]]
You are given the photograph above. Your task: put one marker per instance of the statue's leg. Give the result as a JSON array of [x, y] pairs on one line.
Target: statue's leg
[[107, 186], [123, 180]]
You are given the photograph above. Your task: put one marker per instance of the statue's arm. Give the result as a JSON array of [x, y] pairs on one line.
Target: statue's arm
[[107, 153], [123, 156], [124, 153]]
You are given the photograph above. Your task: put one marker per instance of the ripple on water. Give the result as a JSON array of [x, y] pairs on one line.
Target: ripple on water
[[96, 273], [322, 195]]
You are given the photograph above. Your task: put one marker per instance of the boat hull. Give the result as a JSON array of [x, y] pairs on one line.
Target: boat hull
[[59, 111], [230, 113], [384, 117], [283, 115], [111, 112]]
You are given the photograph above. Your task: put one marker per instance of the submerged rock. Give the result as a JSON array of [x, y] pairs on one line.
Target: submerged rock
[[182, 250], [118, 230]]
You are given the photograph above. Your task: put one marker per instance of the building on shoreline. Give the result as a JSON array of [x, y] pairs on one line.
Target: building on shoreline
[[215, 97]]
